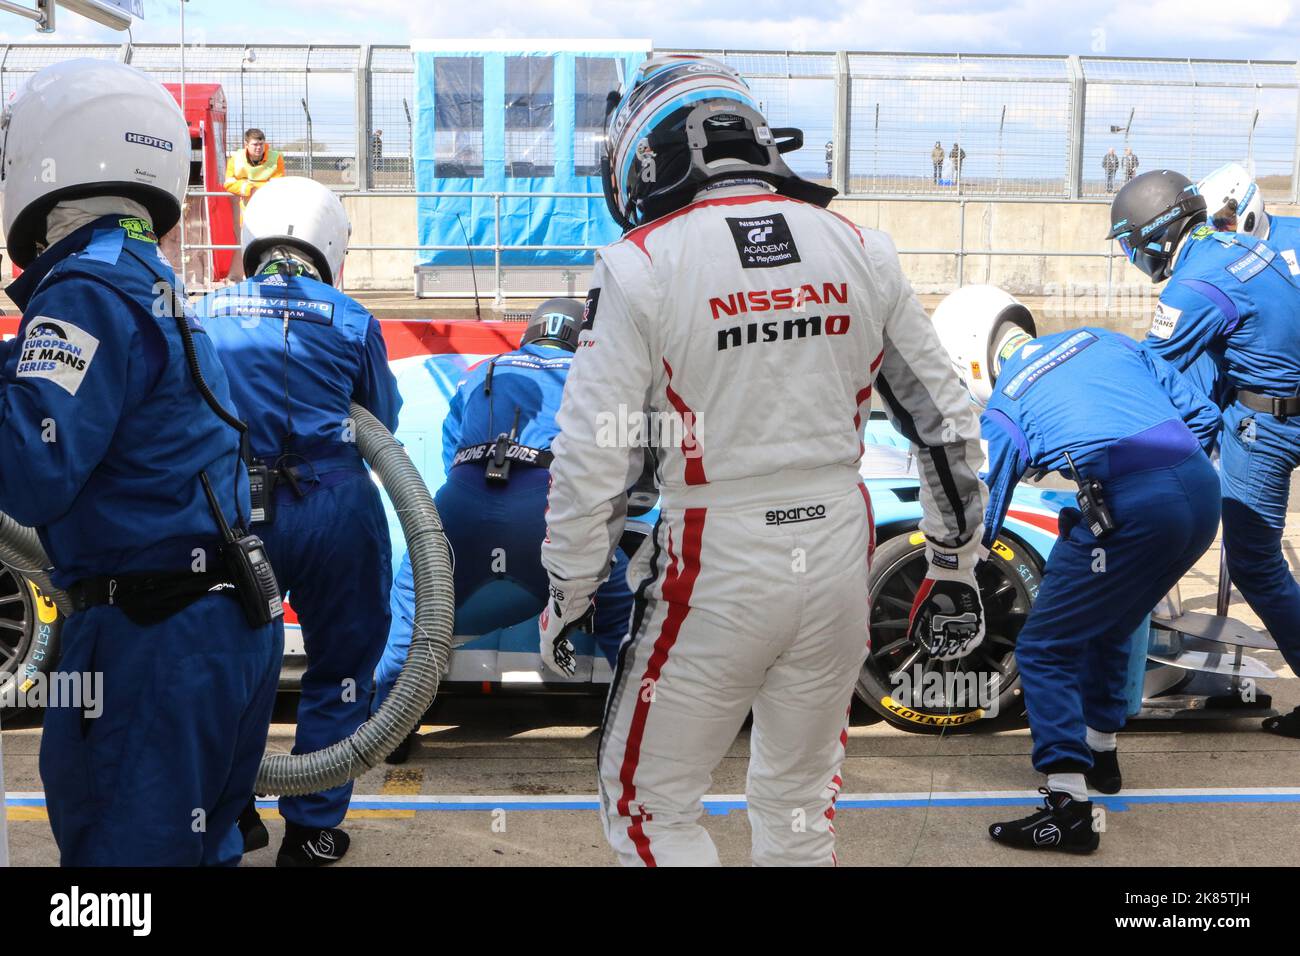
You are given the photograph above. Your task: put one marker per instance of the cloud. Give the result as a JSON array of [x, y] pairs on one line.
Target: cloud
[[1197, 28]]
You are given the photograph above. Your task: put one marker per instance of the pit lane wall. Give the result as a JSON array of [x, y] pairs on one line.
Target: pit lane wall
[[1053, 228]]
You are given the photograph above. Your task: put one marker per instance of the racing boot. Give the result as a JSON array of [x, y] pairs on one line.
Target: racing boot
[[1288, 725], [1104, 777], [252, 828], [311, 846], [1063, 824]]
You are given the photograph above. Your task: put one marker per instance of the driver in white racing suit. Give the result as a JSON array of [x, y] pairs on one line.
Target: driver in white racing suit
[[761, 323]]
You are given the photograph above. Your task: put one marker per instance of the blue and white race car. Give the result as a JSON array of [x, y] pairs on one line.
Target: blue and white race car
[[493, 656]]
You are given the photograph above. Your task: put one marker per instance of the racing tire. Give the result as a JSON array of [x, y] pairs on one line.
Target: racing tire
[[913, 693], [30, 628]]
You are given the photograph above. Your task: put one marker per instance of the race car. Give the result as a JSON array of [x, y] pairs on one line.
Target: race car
[[1174, 673], [491, 656]]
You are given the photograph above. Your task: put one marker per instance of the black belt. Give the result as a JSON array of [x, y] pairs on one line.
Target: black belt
[[148, 598], [516, 453], [1288, 407]]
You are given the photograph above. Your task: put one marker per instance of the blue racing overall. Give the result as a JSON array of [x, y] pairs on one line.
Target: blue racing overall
[[496, 530], [103, 436], [299, 353], [1236, 298], [1128, 420]]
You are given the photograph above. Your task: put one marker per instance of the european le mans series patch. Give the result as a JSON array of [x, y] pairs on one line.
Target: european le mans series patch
[[1165, 320], [763, 241], [57, 351]]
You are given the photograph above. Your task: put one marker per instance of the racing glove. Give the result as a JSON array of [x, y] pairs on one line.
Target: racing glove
[[561, 616], [947, 616]]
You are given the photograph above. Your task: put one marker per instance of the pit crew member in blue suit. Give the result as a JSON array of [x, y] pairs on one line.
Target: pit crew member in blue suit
[[105, 440], [1092, 405], [496, 527], [299, 353], [1234, 203], [1236, 298]]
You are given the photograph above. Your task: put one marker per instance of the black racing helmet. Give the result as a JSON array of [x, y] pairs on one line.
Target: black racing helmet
[[1151, 214], [555, 322], [687, 120]]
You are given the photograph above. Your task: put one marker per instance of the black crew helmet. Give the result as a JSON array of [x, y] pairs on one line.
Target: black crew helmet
[[555, 322], [1149, 217]]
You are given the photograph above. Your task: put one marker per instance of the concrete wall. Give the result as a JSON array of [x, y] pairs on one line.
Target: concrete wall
[[1049, 227], [381, 221]]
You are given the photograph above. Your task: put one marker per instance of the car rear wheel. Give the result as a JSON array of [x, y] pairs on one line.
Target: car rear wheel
[[30, 625], [902, 684]]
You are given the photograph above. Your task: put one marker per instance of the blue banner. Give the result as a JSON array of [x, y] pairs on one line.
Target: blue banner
[[513, 121]]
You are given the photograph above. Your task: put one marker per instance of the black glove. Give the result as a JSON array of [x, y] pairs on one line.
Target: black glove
[[947, 615]]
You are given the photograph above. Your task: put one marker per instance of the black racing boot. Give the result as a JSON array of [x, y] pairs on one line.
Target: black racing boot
[[1104, 777], [252, 828], [311, 846], [1288, 725], [402, 752], [1063, 824]]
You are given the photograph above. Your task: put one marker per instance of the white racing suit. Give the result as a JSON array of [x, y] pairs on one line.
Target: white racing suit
[[755, 326]]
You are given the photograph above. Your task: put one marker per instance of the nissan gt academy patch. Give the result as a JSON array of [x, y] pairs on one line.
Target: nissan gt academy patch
[[763, 242], [1166, 317], [57, 351], [589, 309]]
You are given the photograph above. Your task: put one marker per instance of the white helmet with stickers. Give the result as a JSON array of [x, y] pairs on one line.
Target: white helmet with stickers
[[302, 214], [90, 128], [1233, 202], [981, 326]]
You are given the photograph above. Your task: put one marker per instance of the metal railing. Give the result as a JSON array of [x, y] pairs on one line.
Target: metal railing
[[1027, 126], [499, 293]]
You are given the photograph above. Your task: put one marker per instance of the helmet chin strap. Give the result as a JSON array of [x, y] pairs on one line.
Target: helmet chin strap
[[287, 261]]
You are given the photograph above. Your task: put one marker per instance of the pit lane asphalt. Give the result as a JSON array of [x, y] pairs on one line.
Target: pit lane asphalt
[[513, 759]]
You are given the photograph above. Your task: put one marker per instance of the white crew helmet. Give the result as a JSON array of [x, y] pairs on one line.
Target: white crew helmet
[[90, 128], [300, 213], [981, 326], [1231, 191]]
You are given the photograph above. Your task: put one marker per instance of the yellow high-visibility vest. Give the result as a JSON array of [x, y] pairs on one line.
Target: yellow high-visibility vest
[[243, 178]]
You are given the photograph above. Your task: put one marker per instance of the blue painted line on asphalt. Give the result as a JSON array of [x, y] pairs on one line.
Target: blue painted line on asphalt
[[720, 807]]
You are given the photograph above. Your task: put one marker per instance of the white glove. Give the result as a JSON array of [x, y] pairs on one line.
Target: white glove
[[947, 614], [557, 620]]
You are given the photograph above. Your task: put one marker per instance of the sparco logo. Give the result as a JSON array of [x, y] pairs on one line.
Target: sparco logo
[[140, 139], [778, 516]]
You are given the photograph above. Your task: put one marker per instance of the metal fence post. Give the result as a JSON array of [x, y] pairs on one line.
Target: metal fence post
[[500, 298], [1295, 162], [1078, 99], [1110, 270], [961, 242], [840, 124], [365, 176]]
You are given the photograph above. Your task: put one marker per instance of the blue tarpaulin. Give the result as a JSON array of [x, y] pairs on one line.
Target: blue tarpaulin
[[514, 117]]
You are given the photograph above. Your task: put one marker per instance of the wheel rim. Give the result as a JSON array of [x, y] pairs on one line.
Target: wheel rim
[[983, 674], [15, 620]]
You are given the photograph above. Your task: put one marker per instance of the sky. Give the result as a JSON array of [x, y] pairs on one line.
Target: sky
[[1167, 28]]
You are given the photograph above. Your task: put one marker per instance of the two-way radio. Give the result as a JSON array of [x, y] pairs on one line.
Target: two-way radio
[[1092, 504], [244, 554], [246, 560]]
